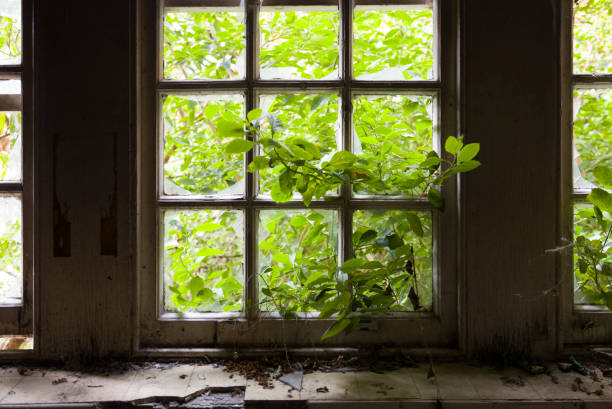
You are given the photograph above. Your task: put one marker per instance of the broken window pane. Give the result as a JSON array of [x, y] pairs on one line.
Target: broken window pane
[[299, 44], [10, 130], [10, 32], [313, 117], [208, 45], [203, 260], [592, 257], [592, 136], [393, 44], [592, 36], [196, 130], [11, 249], [393, 132], [402, 242], [297, 258]]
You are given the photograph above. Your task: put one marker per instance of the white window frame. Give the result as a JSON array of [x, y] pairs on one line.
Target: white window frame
[[195, 333], [18, 318]]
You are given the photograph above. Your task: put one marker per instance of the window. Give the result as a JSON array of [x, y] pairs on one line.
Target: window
[[591, 162], [16, 146], [372, 77]]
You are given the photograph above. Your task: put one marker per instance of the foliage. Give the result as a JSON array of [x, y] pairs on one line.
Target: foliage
[[593, 247], [10, 247], [298, 152], [10, 40], [10, 128], [592, 36], [202, 277]]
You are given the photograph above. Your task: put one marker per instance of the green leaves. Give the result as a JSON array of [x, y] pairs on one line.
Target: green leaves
[[468, 152], [452, 145], [239, 146], [601, 199], [435, 198], [336, 328]]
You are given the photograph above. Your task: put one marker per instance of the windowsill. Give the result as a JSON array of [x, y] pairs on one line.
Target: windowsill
[[464, 385]]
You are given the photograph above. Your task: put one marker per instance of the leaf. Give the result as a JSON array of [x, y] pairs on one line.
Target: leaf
[[603, 174], [286, 181], [466, 166], [239, 146], [208, 226], [211, 110], [336, 328], [364, 235], [254, 115], [298, 220], [352, 264], [195, 285], [394, 241], [601, 199], [435, 198], [283, 259], [468, 152], [452, 145], [343, 159], [229, 129], [318, 101], [207, 251], [415, 224], [414, 299], [258, 163]]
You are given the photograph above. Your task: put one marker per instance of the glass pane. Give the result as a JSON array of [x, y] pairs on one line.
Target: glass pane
[[10, 130], [11, 264], [393, 44], [393, 132], [299, 44], [203, 260], [314, 117], [209, 45], [592, 257], [592, 36], [592, 136], [10, 32], [195, 162], [402, 241], [297, 258]]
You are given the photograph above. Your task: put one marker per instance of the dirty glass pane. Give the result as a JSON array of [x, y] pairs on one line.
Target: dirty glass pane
[[10, 32], [195, 162], [393, 44], [313, 117], [203, 253], [10, 130], [592, 134], [393, 132], [11, 264], [592, 256], [299, 44], [592, 36], [402, 242], [207, 45], [297, 258]]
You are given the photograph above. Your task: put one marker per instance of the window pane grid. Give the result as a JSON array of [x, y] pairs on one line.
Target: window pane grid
[[251, 204], [591, 144]]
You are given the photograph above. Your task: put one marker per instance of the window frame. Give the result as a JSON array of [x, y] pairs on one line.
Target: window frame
[[158, 329], [18, 318], [581, 324]]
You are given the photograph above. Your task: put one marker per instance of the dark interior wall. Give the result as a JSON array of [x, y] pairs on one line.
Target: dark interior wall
[[86, 295], [85, 286]]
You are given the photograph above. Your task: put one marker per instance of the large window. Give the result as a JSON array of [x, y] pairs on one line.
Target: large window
[[15, 170], [223, 262], [592, 153]]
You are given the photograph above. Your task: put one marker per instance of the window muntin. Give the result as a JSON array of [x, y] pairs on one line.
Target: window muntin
[[592, 144], [439, 322]]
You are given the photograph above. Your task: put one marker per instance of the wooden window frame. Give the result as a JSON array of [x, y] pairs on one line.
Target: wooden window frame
[[193, 333], [580, 324], [18, 318]]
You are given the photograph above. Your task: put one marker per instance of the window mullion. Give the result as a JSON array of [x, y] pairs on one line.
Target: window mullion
[[250, 225]]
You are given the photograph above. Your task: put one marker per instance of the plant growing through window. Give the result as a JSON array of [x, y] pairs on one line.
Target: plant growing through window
[[299, 175]]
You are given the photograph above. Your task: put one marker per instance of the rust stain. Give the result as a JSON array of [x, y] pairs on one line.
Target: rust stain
[[61, 225], [108, 220]]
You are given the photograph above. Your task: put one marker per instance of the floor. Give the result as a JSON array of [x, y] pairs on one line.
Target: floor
[[164, 385]]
